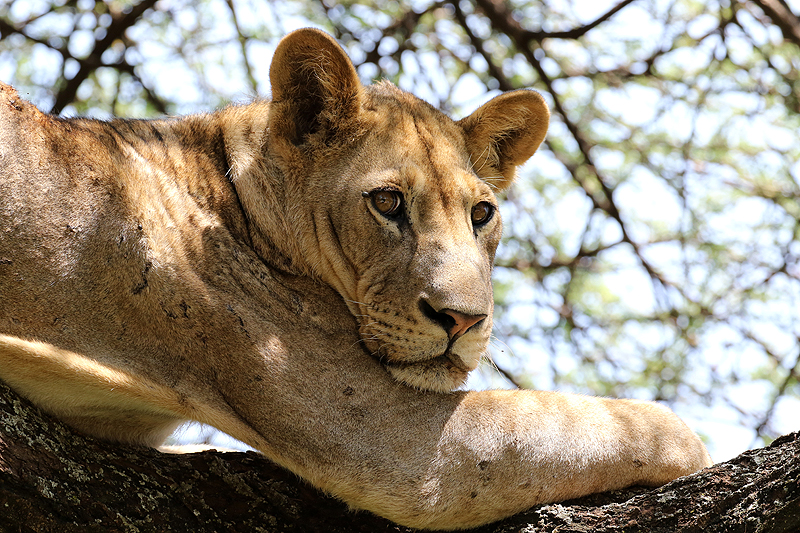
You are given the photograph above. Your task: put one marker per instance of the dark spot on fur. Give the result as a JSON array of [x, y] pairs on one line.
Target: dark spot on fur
[[357, 413], [183, 399], [297, 304], [156, 133], [142, 285], [348, 391], [241, 321]]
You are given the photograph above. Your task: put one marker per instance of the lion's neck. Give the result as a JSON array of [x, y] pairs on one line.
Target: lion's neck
[[262, 189]]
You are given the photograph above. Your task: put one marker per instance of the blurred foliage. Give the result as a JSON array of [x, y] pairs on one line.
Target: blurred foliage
[[652, 247]]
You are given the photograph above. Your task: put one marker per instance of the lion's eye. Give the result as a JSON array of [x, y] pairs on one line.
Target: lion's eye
[[482, 213], [388, 203]]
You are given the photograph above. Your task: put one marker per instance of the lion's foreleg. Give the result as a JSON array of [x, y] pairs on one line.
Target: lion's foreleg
[[504, 451], [92, 397]]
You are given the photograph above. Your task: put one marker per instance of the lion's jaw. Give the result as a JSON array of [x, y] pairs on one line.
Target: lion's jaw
[[391, 203]]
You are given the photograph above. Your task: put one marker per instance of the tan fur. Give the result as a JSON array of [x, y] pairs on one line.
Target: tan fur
[[228, 268]]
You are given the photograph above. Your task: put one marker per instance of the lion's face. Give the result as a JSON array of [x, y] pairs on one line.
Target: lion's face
[[415, 234], [400, 214]]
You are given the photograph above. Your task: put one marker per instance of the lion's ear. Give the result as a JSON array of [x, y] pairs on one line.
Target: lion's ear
[[503, 133], [315, 87]]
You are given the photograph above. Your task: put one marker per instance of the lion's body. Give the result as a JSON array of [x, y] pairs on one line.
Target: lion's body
[[220, 268]]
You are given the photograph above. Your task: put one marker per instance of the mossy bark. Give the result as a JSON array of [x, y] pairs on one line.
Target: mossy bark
[[53, 480]]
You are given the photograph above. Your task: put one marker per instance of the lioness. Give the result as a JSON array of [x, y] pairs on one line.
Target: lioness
[[309, 274]]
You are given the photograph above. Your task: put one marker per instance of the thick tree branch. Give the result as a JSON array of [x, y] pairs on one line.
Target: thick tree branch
[[55, 481]]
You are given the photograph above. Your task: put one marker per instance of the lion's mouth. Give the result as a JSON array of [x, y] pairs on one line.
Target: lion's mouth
[[441, 373], [456, 360], [448, 360]]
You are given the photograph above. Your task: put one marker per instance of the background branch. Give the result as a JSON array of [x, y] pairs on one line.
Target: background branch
[[121, 21]]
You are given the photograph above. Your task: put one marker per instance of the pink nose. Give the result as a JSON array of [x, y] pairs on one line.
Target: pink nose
[[462, 322]]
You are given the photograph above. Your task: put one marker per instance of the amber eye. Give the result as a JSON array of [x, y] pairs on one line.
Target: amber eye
[[387, 202], [482, 213]]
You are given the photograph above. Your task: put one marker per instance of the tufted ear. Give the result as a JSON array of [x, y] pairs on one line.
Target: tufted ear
[[315, 87], [503, 133]]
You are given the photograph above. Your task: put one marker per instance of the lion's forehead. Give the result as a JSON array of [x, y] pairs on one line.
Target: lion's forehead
[[402, 118], [424, 150]]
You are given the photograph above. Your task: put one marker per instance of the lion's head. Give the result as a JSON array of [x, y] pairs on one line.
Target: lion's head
[[393, 204]]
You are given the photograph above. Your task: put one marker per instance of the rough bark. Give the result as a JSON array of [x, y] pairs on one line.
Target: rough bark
[[54, 480]]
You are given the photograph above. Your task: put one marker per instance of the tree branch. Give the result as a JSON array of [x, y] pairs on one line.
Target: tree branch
[[53, 480], [403, 25], [121, 21], [149, 95], [500, 15], [251, 79], [580, 31], [782, 17], [480, 47]]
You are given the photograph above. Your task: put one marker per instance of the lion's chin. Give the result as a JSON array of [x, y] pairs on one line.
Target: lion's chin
[[441, 374]]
